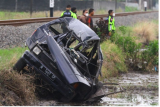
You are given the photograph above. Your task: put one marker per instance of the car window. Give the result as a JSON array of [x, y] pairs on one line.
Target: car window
[[58, 28]]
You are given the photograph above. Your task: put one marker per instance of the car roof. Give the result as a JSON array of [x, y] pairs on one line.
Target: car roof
[[79, 28]]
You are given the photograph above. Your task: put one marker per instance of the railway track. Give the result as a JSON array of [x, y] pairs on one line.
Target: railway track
[[40, 20]]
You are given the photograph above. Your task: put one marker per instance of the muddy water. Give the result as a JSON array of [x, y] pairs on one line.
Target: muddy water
[[140, 90]]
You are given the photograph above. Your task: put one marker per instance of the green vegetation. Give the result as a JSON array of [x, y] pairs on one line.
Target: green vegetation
[[114, 60], [130, 9], [145, 59], [139, 44], [8, 57]]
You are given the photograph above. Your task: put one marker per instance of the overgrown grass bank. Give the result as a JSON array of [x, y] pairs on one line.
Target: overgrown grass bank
[[114, 60], [15, 89], [139, 44]]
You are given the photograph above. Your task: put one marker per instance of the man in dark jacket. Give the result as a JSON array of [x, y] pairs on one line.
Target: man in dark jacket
[[68, 12]]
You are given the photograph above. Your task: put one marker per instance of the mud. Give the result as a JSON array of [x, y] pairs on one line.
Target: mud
[[140, 90]]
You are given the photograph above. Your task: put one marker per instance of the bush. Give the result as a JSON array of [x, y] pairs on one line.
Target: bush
[[150, 55], [127, 43], [145, 32], [144, 60], [114, 60], [130, 39], [100, 29]]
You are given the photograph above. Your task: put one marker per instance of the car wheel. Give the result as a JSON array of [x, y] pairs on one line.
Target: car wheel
[[19, 65]]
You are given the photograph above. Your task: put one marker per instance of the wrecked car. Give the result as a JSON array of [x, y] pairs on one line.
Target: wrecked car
[[66, 54]]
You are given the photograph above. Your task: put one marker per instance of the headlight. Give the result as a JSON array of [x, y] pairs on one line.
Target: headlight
[[36, 50]]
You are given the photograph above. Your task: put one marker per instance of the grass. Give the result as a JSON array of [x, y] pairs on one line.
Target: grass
[[131, 39], [130, 9], [18, 89], [114, 60], [6, 15], [8, 57], [126, 39], [146, 31]]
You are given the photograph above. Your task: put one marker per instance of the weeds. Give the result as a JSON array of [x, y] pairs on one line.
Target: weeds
[[21, 85], [145, 32], [114, 59], [146, 59], [150, 55], [126, 39]]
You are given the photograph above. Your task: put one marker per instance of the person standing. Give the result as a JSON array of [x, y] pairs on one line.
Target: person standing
[[68, 12], [111, 21], [145, 5], [84, 16], [74, 10], [89, 20]]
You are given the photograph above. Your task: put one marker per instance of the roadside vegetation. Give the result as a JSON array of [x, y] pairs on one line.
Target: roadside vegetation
[[139, 44], [114, 60]]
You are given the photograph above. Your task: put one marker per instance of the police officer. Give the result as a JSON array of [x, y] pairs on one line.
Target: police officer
[[111, 25], [74, 10], [68, 12]]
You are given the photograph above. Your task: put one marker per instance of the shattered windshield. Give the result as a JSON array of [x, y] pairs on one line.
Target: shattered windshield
[[58, 28]]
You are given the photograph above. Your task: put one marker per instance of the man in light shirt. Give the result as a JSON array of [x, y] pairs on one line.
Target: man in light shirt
[[145, 5]]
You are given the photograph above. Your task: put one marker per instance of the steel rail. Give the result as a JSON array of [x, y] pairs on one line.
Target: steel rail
[[20, 22]]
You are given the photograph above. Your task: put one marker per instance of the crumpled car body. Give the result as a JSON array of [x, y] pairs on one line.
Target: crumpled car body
[[67, 55]]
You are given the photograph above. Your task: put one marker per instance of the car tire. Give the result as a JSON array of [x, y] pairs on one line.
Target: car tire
[[19, 65]]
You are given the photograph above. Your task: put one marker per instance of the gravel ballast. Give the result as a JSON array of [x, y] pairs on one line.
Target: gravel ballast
[[11, 36]]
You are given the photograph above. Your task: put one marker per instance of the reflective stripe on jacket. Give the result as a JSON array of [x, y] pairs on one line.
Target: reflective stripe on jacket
[[68, 13]]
